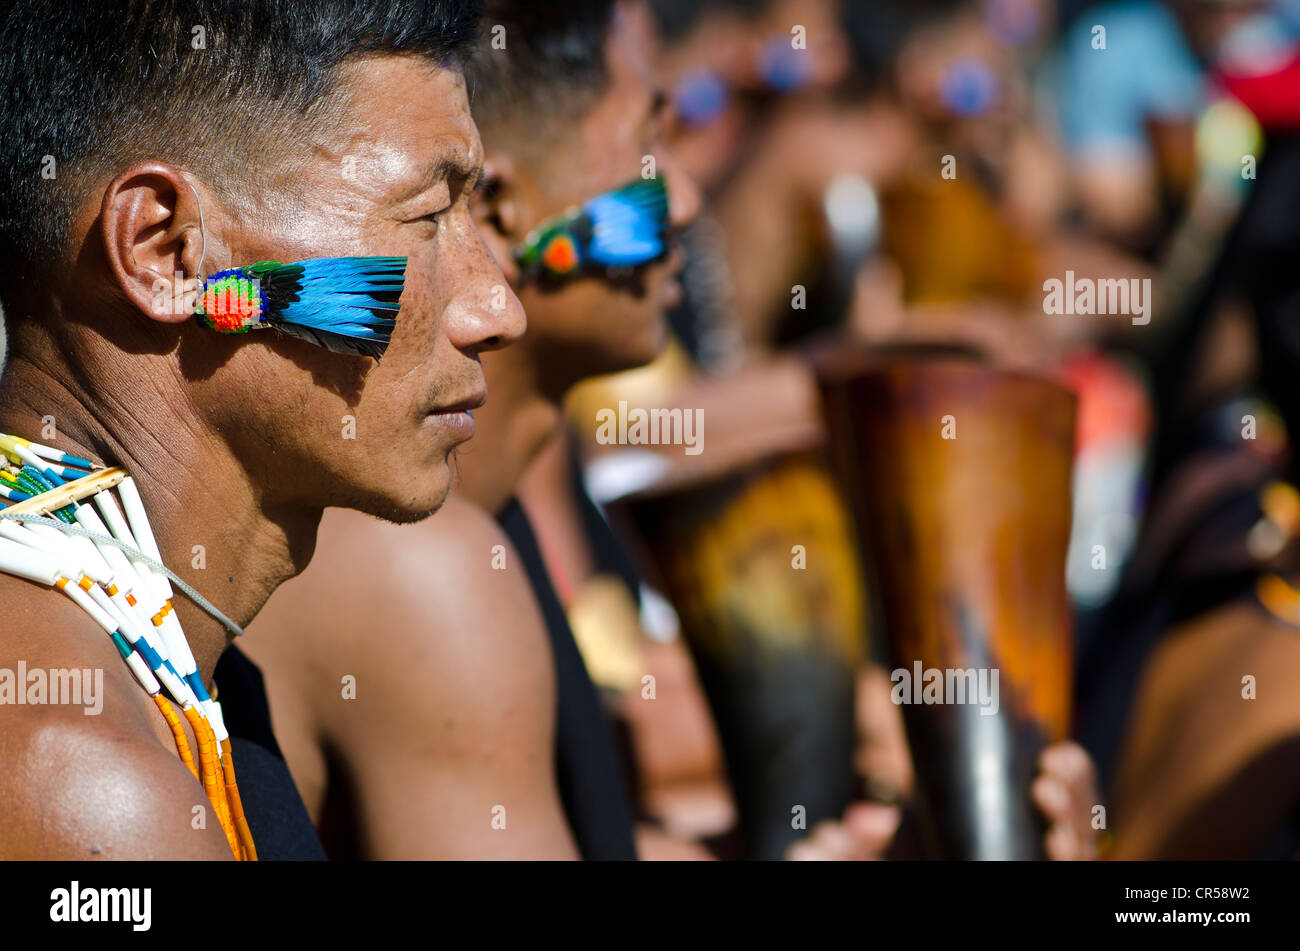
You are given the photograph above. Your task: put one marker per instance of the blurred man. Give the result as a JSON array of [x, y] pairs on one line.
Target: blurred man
[[766, 409], [1190, 709], [234, 442], [474, 730], [1129, 91]]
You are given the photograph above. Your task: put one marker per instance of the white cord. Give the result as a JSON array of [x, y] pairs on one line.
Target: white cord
[[134, 554]]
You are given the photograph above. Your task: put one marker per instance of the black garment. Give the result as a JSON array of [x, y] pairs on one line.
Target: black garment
[[587, 767], [1205, 568], [608, 553], [281, 827], [1208, 565], [1257, 261], [1267, 249]]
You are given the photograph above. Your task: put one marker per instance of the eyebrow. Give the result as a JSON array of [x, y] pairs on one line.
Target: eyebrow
[[455, 165]]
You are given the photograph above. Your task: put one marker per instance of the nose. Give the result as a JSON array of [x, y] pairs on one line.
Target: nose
[[684, 198], [491, 316]]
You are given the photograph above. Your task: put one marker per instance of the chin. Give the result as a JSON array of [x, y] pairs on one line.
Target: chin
[[650, 346], [413, 501]]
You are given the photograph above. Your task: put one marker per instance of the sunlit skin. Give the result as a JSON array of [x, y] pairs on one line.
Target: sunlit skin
[[1065, 790], [592, 325], [1204, 772], [465, 663], [620, 137], [237, 443]]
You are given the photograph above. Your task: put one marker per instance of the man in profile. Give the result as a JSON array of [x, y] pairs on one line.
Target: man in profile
[[476, 731], [147, 140]]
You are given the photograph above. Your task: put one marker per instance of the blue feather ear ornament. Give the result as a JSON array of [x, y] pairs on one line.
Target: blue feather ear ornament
[[347, 305], [626, 227]]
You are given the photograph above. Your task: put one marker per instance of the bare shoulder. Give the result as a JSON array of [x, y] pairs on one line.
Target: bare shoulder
[[1212, 730], [83, 773], [419, 658], [370, 582], [1239, 662], [83, 790], [467, 565], [435, 620]]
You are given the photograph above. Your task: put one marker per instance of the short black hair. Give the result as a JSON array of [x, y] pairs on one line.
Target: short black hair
[[538, 65], [209, 85], [676, 18], [877, 32]]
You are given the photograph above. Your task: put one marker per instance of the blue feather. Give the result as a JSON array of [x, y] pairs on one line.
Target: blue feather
[[627, 226], [343, 304]]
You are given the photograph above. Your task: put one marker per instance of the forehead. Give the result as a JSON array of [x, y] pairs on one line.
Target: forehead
[[402, 123]]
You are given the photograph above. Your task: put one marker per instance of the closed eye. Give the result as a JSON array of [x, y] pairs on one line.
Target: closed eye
[[434, 217]]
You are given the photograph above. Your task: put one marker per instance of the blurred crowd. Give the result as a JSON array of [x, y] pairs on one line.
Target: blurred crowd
[[975, 329], [907, 176]]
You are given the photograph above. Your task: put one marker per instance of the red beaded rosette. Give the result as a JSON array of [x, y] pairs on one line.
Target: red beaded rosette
[[231, 302]]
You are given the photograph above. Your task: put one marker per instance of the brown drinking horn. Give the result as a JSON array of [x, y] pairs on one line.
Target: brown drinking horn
[[959, 477], [761, 565]]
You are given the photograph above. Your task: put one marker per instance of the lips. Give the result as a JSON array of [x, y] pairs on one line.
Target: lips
[[458, 424], [676, 260], [471, 402], [672, 293], [454, 417]]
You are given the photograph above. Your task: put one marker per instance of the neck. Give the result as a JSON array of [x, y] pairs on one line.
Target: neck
[[214, 528], [511, 429]]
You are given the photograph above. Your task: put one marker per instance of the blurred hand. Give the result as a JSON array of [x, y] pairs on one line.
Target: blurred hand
[[1065, 792], [862, 835], [881, 758]]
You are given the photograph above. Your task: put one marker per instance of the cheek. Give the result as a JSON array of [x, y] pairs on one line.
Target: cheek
[[262, 395], [453, 265], [642, 307], [466, 271], [415, 342], [388, 406], [418, 320], [562, 314]]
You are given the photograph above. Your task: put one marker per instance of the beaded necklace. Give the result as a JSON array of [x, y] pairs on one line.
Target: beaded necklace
[[114, 571], [105, 558]]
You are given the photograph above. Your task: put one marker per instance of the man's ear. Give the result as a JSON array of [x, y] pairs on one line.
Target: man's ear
[[151, 223], [497, 213]]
